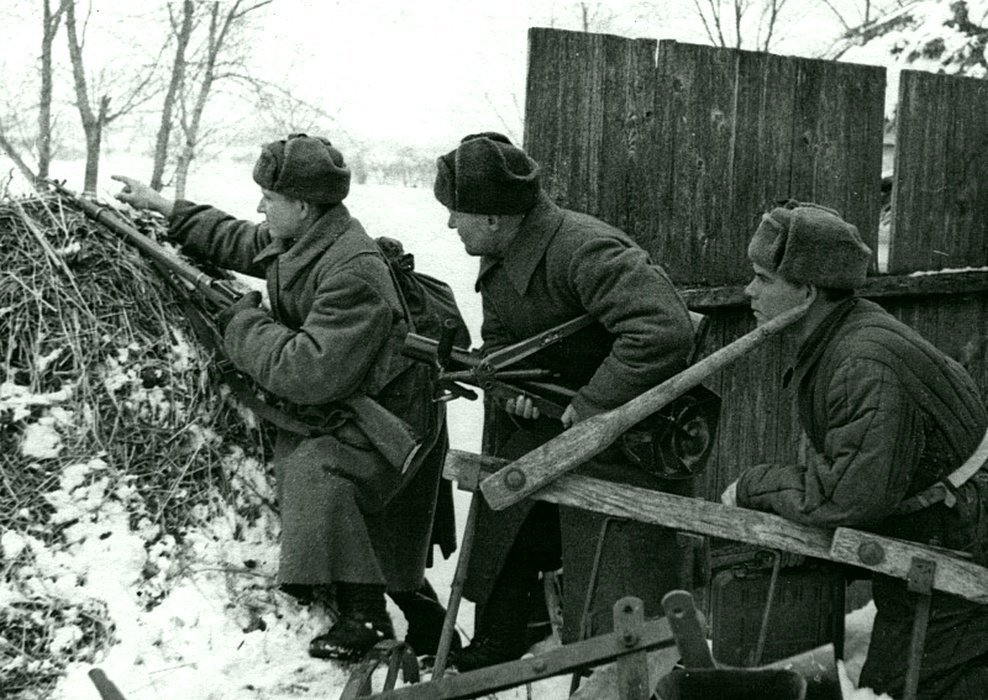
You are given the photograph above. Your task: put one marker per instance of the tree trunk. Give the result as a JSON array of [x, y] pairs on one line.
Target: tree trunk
[[49, 29], [94, 136], [182, 170], [174, 86], [94, 139]]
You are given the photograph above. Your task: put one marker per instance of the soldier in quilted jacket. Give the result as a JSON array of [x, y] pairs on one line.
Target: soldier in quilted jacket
[[889, 415]]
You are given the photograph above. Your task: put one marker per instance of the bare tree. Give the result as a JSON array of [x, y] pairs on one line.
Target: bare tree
[[49, 28], [863, 20], [15, 129], [221, 25], [594, 17], [582, 15], [182, 31], [94, 110], [740, 23], [8, 140], [855, 14]]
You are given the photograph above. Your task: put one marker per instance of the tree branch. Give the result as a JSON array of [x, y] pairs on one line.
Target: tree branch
[[837, 14], [7, 147], [78, 70], [706, 25], [248, 10]]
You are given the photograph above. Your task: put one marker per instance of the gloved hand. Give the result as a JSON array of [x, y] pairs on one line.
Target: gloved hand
[[250, 300]]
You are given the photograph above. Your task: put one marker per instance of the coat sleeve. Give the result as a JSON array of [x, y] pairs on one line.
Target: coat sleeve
[[329, 356], [874, 437], [636, 303], [209, 234]]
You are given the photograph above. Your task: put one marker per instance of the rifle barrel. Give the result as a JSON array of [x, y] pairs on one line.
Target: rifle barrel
[[216, 291], [425, 349]]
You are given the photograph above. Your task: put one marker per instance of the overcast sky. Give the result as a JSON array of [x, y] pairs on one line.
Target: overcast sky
[[415, 72], [423, 71]]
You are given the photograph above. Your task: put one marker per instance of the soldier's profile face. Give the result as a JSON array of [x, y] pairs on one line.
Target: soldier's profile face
[[478, 232], [283, 214], [771, 295]]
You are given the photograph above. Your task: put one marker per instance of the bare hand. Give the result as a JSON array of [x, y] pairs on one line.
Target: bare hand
[[730, 495], [140, 196], [570, 417], [522, 407]]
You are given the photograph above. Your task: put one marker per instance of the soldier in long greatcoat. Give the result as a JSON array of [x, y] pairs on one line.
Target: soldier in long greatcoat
[[891, 416], [540, 266], [351, 519]]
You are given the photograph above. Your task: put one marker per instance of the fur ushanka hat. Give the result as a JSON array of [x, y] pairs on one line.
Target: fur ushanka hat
[[303, 167], [806, 243], [487, 174]]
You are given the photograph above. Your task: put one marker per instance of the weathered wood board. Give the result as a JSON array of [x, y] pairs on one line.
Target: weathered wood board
[[940, 186], [954, 574]]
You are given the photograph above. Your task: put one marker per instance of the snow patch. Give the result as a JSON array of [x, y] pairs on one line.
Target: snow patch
[[41, 440]]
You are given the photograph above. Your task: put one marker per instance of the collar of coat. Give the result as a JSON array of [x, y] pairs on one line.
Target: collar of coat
[[814, 346], [528, 248], [296, 257]]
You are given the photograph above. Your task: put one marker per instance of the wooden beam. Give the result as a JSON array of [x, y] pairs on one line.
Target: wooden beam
[[877, 287], [654, 634], [959, 577]]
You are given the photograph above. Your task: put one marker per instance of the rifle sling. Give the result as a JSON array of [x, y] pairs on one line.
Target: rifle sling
[[945, 490]]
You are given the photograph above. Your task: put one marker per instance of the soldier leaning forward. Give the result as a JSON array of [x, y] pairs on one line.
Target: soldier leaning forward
[[334, 333], [891, 416], [540, 266]]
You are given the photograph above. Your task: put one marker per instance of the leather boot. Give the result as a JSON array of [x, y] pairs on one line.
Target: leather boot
[[501, 634], [363, 622], [425, 616]]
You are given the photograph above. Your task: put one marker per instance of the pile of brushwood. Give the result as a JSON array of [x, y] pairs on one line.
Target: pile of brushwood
[[110, 417]]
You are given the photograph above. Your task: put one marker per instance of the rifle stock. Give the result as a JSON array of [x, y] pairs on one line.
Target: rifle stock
[[216, 291]]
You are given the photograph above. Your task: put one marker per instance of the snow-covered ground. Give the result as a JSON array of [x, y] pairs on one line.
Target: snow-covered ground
[[218, 630]]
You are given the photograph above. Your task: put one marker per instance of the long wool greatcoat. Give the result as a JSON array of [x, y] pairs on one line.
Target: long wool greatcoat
[[561, 265], [890, 415], [335, 330]]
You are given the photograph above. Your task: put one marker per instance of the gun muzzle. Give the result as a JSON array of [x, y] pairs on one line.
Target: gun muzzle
[[420, 348]]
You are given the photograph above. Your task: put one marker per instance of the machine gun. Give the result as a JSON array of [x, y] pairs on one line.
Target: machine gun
[[673, 444]]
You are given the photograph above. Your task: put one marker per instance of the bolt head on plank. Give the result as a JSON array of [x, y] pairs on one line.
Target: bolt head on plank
[[871, 553], [515, 479]]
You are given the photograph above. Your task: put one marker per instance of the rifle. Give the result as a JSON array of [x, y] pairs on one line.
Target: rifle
[[390, 435], [218, 292]]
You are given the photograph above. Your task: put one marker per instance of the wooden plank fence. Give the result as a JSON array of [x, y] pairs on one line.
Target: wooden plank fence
[[685, 146], [940, 188]]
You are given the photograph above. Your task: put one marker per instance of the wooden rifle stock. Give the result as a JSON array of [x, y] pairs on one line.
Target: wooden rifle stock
[[592, 436]]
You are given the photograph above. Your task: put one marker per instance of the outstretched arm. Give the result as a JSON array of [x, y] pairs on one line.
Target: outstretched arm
[[140, 196]]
